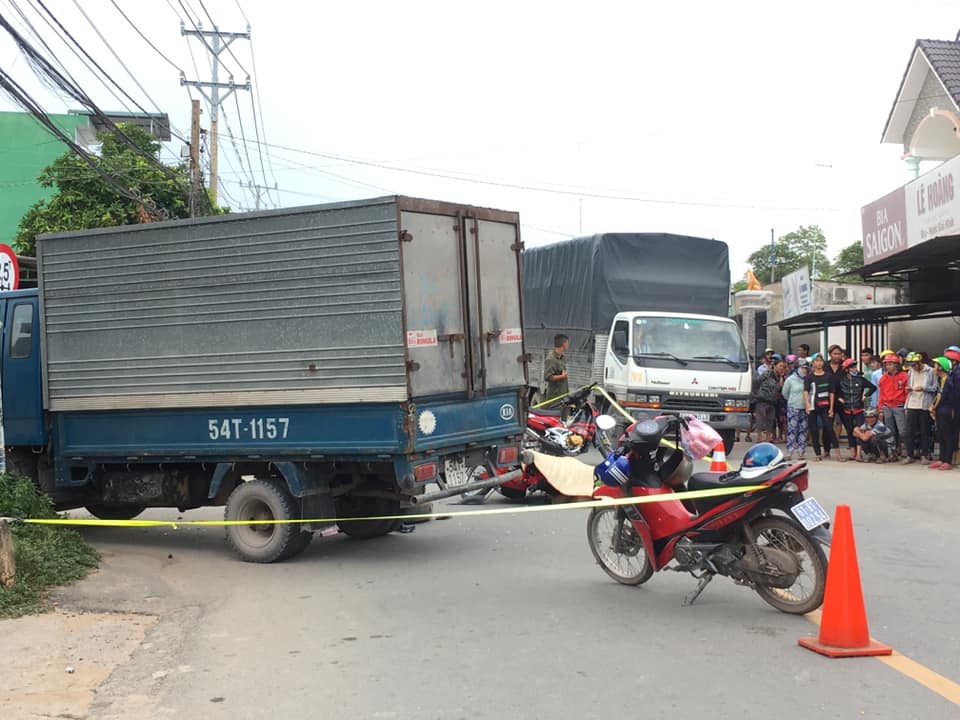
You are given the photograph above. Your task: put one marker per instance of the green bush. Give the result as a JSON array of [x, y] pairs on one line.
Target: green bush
[[46, 555]]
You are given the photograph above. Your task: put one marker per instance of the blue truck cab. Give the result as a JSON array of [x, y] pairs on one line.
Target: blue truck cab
[[322, 362]]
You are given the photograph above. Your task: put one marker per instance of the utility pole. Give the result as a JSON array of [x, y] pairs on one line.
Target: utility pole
[[773, 257], [259, 190], [194, 155], [215, 42]]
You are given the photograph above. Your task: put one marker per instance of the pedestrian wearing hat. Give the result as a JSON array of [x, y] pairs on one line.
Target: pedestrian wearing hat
[[874, 439], [767, 365], [948, 410], [767, 395], [795, 395], [921, 392], [893, 397], [853, 388], [820, 396]]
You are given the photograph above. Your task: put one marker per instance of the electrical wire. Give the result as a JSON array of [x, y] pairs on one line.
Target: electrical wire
[[446, 175], [23, 98], [244, 17], [145, 38], [227, 46], [47, 72], [246, 145], [176, 132]]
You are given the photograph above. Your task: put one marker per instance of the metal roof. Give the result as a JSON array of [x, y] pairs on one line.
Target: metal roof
[[869, 314], [938, 253]]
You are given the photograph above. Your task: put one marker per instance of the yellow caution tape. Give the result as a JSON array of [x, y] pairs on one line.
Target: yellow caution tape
[[600, 503]]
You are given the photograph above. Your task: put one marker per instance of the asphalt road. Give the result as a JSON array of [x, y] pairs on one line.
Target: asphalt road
[[509, 617]]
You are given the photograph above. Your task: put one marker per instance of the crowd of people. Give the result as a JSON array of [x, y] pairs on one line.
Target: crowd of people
[[889, 407]]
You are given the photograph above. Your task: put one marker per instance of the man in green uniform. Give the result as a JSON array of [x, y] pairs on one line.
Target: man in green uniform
[[555, 369]]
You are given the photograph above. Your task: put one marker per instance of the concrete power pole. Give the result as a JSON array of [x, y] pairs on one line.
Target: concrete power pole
[[259, 190], [215, 42]]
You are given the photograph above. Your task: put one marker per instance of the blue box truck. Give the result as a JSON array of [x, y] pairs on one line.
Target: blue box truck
[[320, 362]]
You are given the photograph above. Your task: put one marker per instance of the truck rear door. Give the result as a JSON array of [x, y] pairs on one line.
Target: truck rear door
[[462, 304], [493, 256]]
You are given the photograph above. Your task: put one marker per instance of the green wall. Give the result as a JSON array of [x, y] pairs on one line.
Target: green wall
[[26, 147]]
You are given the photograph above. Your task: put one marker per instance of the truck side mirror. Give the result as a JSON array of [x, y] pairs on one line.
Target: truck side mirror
[[620, 346]]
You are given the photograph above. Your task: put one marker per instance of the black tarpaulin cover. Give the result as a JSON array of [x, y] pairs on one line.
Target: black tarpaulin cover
[[580, 284]]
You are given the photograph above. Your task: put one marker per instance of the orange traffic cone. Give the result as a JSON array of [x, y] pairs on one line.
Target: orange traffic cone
[[843, 623], [718, 463]]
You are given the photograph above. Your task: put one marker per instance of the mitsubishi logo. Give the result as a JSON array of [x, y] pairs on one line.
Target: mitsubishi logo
[[694, 382]]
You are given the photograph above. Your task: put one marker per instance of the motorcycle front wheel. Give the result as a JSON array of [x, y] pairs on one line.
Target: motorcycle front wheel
[[806, 594], [617, 546]]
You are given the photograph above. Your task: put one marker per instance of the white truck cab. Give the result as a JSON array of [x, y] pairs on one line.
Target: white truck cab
[[675, 362]]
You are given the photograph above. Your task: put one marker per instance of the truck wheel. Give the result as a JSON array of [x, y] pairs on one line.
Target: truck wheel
[[114, 511], [264, 500], [367, 507], [729, 437]]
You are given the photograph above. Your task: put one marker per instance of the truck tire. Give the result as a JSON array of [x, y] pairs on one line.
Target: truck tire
[[349, 507], [729, 437], [264, 500], [114, 511]]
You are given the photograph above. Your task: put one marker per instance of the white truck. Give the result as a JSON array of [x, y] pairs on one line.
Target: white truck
[[646, 315]]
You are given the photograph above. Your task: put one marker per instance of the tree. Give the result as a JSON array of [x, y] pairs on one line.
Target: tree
[[805, 246], [84, 199], [850, 258]]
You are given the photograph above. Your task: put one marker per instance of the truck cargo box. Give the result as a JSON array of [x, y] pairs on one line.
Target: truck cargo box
[[381, 300]]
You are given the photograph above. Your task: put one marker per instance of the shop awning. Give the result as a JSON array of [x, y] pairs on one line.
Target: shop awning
[[939, 253], [870, 314]]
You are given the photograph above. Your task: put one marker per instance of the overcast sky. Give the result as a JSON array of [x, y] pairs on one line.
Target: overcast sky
[[715, 119]]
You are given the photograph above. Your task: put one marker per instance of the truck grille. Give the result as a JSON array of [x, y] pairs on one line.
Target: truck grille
[[692, 404]]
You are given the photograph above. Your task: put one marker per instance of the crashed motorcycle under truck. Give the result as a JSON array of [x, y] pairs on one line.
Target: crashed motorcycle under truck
[[325, 362]]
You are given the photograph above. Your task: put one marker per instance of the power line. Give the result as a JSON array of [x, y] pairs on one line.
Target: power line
[[145, 38], [217, 30], [88, 57], [244, 18], [49, 74], [246, 145], [550, 190], [136, 82], [22, 98]]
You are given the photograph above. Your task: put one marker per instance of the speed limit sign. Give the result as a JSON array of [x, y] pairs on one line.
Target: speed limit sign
[[9, 270]]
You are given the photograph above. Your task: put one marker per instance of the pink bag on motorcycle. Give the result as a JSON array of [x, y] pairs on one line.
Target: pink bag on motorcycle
[[698, 438]]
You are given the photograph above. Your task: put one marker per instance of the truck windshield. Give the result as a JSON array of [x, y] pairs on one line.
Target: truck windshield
[[691, 339]]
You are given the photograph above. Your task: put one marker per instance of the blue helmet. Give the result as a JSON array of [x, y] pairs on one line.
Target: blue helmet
[[759, 459], [615, 470]]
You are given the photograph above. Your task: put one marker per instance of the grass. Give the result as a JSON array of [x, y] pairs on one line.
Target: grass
[[46, 555]]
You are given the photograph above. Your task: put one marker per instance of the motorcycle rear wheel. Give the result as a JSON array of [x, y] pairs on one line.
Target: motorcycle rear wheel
[[629, 566], [806, 594]]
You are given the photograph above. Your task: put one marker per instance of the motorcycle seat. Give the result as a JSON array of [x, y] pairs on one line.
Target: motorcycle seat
[[547, 412], [714, 480]]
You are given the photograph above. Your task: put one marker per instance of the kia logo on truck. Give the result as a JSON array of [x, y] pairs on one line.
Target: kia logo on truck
[[507, 412]]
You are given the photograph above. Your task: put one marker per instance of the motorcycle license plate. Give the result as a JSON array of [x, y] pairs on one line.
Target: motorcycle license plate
[[810, 514], [456, 472]]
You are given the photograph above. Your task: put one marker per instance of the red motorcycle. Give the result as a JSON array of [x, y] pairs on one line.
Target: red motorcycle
[[547, 432], [768, 539]]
